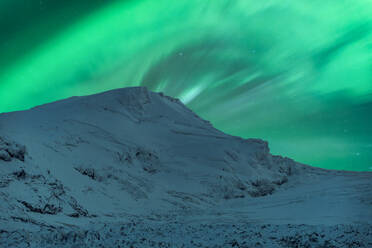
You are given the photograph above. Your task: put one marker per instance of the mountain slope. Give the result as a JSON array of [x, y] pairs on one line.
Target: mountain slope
[[131, 152]]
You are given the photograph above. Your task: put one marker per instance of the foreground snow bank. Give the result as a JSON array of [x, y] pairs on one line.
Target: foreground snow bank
[[170, 234]]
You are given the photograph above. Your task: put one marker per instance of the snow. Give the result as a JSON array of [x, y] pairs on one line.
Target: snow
[[84, 166]]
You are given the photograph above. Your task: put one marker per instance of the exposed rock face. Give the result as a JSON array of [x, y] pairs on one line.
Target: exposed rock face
[[132, 152], [11, 150]]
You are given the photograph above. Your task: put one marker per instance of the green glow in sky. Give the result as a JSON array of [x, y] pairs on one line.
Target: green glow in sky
[[295, 73]]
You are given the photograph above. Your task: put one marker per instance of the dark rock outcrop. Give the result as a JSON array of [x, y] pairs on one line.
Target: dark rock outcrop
[[10, 150]]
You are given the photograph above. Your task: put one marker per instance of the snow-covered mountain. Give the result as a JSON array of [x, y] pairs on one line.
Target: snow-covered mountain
[[75, 168]]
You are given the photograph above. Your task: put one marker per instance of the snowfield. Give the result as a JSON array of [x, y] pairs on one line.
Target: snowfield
[[133, 168]]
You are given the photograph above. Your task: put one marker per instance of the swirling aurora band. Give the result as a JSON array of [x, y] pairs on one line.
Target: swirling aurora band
[[296, 73]]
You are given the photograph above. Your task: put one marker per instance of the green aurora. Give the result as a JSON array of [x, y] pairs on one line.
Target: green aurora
[[297, 73]]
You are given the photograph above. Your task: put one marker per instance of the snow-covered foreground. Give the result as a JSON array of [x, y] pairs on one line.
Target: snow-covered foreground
[[169, 234], [134, 168]]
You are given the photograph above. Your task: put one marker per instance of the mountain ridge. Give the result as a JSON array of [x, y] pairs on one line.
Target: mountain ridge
[[132, 153]]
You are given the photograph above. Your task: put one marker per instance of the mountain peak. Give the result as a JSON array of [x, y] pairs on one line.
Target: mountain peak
[[133, 152]]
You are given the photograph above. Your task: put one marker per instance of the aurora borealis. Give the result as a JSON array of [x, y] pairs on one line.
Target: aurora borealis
[[295, 73]]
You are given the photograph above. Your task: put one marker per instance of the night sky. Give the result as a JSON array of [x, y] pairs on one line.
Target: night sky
[[295, 73]]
